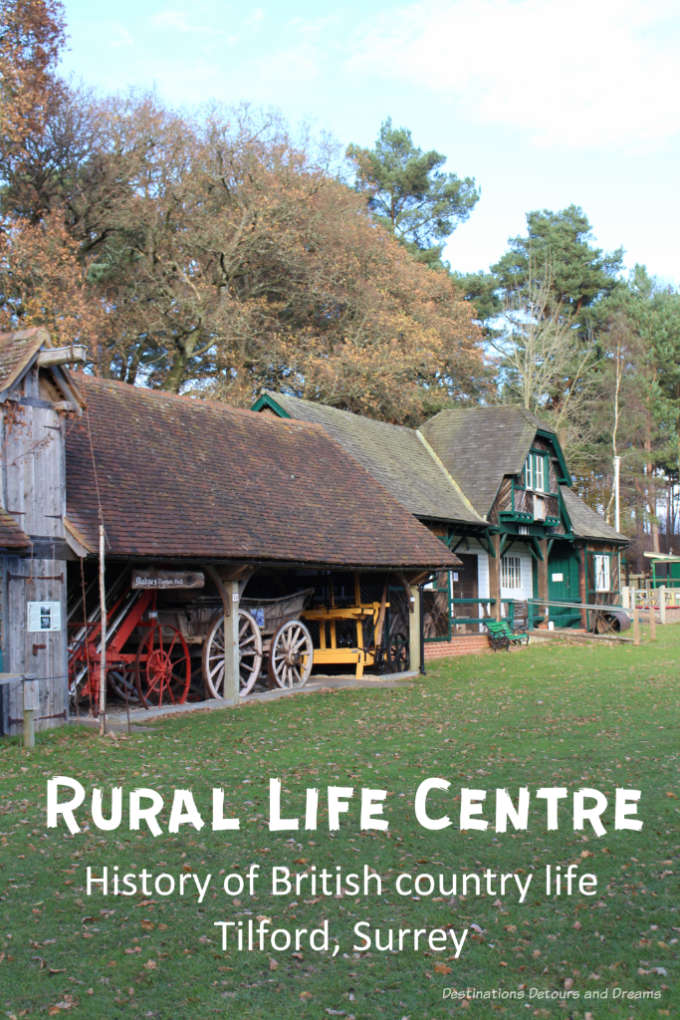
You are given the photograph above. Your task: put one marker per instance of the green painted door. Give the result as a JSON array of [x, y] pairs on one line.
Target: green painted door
[[563, 585]]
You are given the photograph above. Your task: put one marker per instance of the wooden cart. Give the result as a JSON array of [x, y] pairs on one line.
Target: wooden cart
[[148, 650], [269, 630]]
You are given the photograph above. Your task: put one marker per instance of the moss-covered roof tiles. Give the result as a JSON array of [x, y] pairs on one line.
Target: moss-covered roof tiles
[[586, 522], [480, 445], [393, 454]]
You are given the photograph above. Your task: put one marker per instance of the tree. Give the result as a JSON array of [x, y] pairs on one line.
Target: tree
[[538, 354], [558, 249], [635, 412], [228, 259], [409, 193], [31, 36], [42, 283]]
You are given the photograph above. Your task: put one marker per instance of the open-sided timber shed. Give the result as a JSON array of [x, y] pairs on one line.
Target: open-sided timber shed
[[178, 483]]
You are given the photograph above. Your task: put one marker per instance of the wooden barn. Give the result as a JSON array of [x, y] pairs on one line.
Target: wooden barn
[[213, 520], [493, 484], [37, 397]]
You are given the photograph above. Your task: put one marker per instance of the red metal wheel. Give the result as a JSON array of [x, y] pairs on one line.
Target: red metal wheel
[[163, 668]]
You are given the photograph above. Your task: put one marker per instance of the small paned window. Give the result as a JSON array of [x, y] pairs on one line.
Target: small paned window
[[536, 474], [539, 473], [511, 572], [602, 571]]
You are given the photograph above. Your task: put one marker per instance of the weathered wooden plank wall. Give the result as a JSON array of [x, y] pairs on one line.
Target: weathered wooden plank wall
[[34, 492]]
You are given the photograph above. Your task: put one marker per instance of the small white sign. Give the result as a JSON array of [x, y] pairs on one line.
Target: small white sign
[[42, 616], [558, 577]]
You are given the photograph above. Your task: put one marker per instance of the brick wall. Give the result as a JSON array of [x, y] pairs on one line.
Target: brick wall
[[464, 644]]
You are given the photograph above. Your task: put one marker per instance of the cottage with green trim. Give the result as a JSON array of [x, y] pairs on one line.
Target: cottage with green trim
[[492, 482]]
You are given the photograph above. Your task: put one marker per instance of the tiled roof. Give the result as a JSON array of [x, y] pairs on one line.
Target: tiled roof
[[11, 535], [187, 478], [394, 454], [480, 445], [586, 522], [16, 351]]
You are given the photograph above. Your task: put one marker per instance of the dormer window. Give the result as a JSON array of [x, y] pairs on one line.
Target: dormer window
[[536, 472]]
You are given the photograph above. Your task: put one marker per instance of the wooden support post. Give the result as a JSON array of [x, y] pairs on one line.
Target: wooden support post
[[636, 619], [625, 596], [662, 604], [104, 624], [231, 690], [582, 592], [414, 627], [31, 701], [495, 576], [542, 575]]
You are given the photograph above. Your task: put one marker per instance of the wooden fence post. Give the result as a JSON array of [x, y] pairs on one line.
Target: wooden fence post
[[31, 696], [652, 616], [636, 619], [414, 628], [662, 604]]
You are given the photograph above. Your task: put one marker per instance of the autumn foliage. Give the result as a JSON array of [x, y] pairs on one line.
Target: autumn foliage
[[213, 255]]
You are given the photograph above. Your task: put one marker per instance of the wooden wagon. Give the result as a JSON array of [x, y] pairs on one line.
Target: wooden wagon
[[269, 630], [148, 656]]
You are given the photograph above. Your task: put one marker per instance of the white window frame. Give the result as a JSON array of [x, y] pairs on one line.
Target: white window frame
[[511, 573], [537, 472], [602, 571]]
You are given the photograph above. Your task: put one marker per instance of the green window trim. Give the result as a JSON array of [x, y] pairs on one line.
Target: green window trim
[[537, 469]]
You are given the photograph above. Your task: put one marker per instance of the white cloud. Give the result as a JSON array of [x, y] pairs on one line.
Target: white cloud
[[177, 21], [304, 55], [584, 74]]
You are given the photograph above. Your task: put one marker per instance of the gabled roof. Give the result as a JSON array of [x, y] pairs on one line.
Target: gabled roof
[[480, 445], [17, 351], [11, 535], [393, 454], [188, 478], [586, 522]]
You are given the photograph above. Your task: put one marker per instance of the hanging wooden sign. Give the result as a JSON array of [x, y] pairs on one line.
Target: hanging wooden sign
[[165, 580]]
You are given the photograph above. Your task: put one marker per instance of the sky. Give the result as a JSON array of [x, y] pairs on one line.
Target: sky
[[544, 103]]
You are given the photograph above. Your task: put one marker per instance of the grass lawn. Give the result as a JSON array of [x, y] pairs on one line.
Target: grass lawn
[[602, 717]]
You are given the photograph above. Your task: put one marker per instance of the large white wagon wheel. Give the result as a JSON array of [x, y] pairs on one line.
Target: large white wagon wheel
[[291, 655], [249, 648]]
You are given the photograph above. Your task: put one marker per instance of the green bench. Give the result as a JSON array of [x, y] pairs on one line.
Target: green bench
[[501, 636]]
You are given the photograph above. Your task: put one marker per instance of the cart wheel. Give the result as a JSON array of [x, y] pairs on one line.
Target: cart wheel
[[123, 682], [249, 650], [606, 623], [291, 655], [163, 668], [397, 654]]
